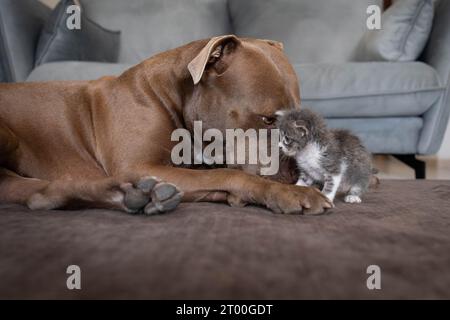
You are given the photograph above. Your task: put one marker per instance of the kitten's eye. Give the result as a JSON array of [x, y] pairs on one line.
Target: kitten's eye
[[268, 120], [287, 141]]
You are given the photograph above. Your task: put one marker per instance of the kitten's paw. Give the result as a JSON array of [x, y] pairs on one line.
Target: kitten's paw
[[352, 199], [301, 183], [329, 197]]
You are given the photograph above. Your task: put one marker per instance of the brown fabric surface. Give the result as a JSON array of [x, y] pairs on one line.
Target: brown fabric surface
[[215, 251]]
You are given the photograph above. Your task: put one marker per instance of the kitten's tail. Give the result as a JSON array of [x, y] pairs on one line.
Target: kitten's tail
[[374, 180]]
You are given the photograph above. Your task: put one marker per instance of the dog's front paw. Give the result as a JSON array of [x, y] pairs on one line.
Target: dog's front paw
[[291, 199], [165, 197], [151, 196]]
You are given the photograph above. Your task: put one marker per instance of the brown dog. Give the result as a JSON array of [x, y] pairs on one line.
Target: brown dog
[[96, 143]]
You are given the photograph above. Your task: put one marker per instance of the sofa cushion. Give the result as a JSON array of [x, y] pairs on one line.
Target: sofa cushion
[[387, 135], [75, 70], [312, 31], [369, 89], [406, 28], [152, 26], [89, 43]]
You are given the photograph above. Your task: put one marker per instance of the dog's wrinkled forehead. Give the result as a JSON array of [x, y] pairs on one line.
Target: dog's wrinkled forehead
[[245, 63], [266, 63]]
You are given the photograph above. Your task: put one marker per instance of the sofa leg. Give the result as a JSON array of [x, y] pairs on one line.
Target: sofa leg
[[410, 160]]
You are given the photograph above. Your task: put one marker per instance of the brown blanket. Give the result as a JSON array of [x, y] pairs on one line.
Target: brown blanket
[[215, 251]]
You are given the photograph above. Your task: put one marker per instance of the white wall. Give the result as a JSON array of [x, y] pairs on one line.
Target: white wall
[[444, 152], [50, 3]]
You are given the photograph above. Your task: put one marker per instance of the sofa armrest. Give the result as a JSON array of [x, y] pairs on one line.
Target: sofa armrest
[[437, 55], [437, 50], [435, 122], [20, 25]]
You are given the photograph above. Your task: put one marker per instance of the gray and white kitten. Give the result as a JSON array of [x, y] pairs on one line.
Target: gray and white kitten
[[334, 158]]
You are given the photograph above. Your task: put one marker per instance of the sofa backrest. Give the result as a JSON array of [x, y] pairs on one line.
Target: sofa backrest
[[152, 26], [311, 30], [437, 51]]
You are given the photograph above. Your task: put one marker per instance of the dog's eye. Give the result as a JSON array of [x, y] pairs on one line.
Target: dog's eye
[[268, 120]]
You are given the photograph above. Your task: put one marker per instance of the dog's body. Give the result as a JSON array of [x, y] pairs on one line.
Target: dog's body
[[94, 143]]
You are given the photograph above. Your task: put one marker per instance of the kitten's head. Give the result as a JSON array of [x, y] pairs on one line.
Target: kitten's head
[[297, 129]]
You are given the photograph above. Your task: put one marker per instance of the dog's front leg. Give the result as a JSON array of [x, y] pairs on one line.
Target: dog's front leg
[[215, 184], [130, 193]]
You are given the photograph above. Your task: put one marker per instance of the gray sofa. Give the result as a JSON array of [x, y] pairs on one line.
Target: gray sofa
[[399, 108]]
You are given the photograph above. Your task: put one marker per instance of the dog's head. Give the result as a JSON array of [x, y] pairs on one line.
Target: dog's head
[[240, 83]]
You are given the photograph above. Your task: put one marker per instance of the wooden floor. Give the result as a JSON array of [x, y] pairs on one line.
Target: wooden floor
[[391, 168]]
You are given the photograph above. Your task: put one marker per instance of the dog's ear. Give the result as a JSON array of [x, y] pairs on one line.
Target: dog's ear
[[275, 44], [212, 53]]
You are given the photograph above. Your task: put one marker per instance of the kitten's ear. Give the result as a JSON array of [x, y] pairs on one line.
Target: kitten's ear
[[300, 126]]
